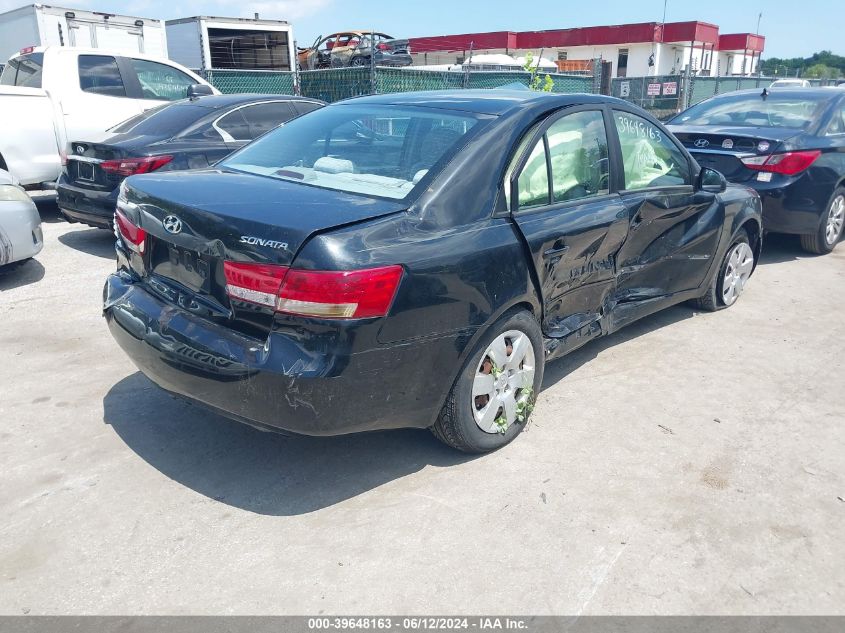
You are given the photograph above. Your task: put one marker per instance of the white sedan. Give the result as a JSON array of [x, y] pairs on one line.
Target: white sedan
[[20, 224]]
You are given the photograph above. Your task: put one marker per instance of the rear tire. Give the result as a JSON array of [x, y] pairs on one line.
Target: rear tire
[[732, 275], [827, 236], [509, 355]]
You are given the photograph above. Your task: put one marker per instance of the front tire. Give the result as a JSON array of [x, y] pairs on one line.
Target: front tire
[[493, 396], [825, 239], [732, 276], [360, 61]]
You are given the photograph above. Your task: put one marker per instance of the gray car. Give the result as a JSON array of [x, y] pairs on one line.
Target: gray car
[[20, 224]]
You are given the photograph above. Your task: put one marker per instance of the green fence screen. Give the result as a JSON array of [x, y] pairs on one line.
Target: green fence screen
[[334, 84]]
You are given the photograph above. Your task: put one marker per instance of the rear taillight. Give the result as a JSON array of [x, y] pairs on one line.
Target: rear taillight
[[383, 47], [789, 163], [256, 283], [133, 236], [133, 166], [335, 294]]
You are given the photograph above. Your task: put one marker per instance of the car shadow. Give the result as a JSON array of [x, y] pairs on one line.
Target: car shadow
[[261, 472], [98, 242], [48, 208], [20, 274], [559, 369], [779, 248]]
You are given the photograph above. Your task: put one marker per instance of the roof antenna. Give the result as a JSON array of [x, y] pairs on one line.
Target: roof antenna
[[765, 93]]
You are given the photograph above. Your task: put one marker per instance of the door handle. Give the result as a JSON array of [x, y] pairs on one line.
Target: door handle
[[552, 252]]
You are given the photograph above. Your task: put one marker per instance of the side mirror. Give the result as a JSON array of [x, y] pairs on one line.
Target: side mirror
[[199, 90], [711, 181]]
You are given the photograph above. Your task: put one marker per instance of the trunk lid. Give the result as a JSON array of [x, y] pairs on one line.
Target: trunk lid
[[197, 220], [397, 46], [722, 148], [83, 162]]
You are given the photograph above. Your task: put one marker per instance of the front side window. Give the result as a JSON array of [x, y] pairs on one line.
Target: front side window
[[649, 156], [382, 151], [579, 156], [160, 81], [99, 74]]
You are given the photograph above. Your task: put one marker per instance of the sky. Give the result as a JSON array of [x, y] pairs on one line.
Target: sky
[[792, 29]]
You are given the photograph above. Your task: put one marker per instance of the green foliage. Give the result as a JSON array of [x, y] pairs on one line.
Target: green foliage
[[525, 406], [537, 84], [823, 64]]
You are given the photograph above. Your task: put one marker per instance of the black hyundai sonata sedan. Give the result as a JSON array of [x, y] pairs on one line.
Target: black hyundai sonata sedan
[[786, 143], [413, 260]]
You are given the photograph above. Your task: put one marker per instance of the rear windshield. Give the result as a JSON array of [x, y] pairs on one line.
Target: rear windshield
[[23, 71], [778, 109], [382, 151], [163, 121]]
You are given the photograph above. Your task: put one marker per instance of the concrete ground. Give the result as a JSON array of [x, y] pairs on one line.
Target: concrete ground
[[693, 463]]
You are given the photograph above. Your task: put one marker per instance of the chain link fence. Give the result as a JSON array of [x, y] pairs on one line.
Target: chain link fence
[[334, 84], [252, 81], [660, 95]]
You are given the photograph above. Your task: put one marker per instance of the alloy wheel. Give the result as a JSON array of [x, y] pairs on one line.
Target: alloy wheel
[[835, 220], [502, 388], [738, 270]]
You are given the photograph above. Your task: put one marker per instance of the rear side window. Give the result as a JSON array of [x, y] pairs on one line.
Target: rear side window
[[649, 156], [233, 126], [100, 75], [533, 182], [164, 121], [304, 107], [160, 81], [264, 117], [579, 157], [24, 71]]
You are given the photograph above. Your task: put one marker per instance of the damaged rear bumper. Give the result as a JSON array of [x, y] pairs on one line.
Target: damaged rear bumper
[[281, 383]]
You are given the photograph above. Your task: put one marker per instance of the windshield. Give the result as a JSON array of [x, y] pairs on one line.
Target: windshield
[[24, 71], [788, 110], [382, 151], [163, 121]]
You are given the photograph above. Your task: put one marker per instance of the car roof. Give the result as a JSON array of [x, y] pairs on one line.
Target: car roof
[[815, 91], [215, 102], [482, 101]]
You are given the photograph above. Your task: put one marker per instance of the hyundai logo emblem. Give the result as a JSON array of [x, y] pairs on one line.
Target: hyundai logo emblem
[[702, 143], [172, 224], [80, 149]]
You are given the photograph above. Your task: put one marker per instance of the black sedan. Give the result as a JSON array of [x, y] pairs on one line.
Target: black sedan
[[187, 134], [788, 144], [413, 260]]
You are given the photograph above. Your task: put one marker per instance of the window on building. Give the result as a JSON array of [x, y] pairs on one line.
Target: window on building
[[562, 56], [622, 63]]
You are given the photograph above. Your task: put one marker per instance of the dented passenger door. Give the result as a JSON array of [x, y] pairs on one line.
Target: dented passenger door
[[561, 200], [674, 229]]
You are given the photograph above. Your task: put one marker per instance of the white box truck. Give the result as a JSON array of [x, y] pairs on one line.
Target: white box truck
[[210, 43], [37, 25]]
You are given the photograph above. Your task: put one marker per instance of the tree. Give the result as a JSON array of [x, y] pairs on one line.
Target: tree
[[540, 85]]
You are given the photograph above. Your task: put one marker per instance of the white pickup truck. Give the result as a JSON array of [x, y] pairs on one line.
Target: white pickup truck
[[51, 95]]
